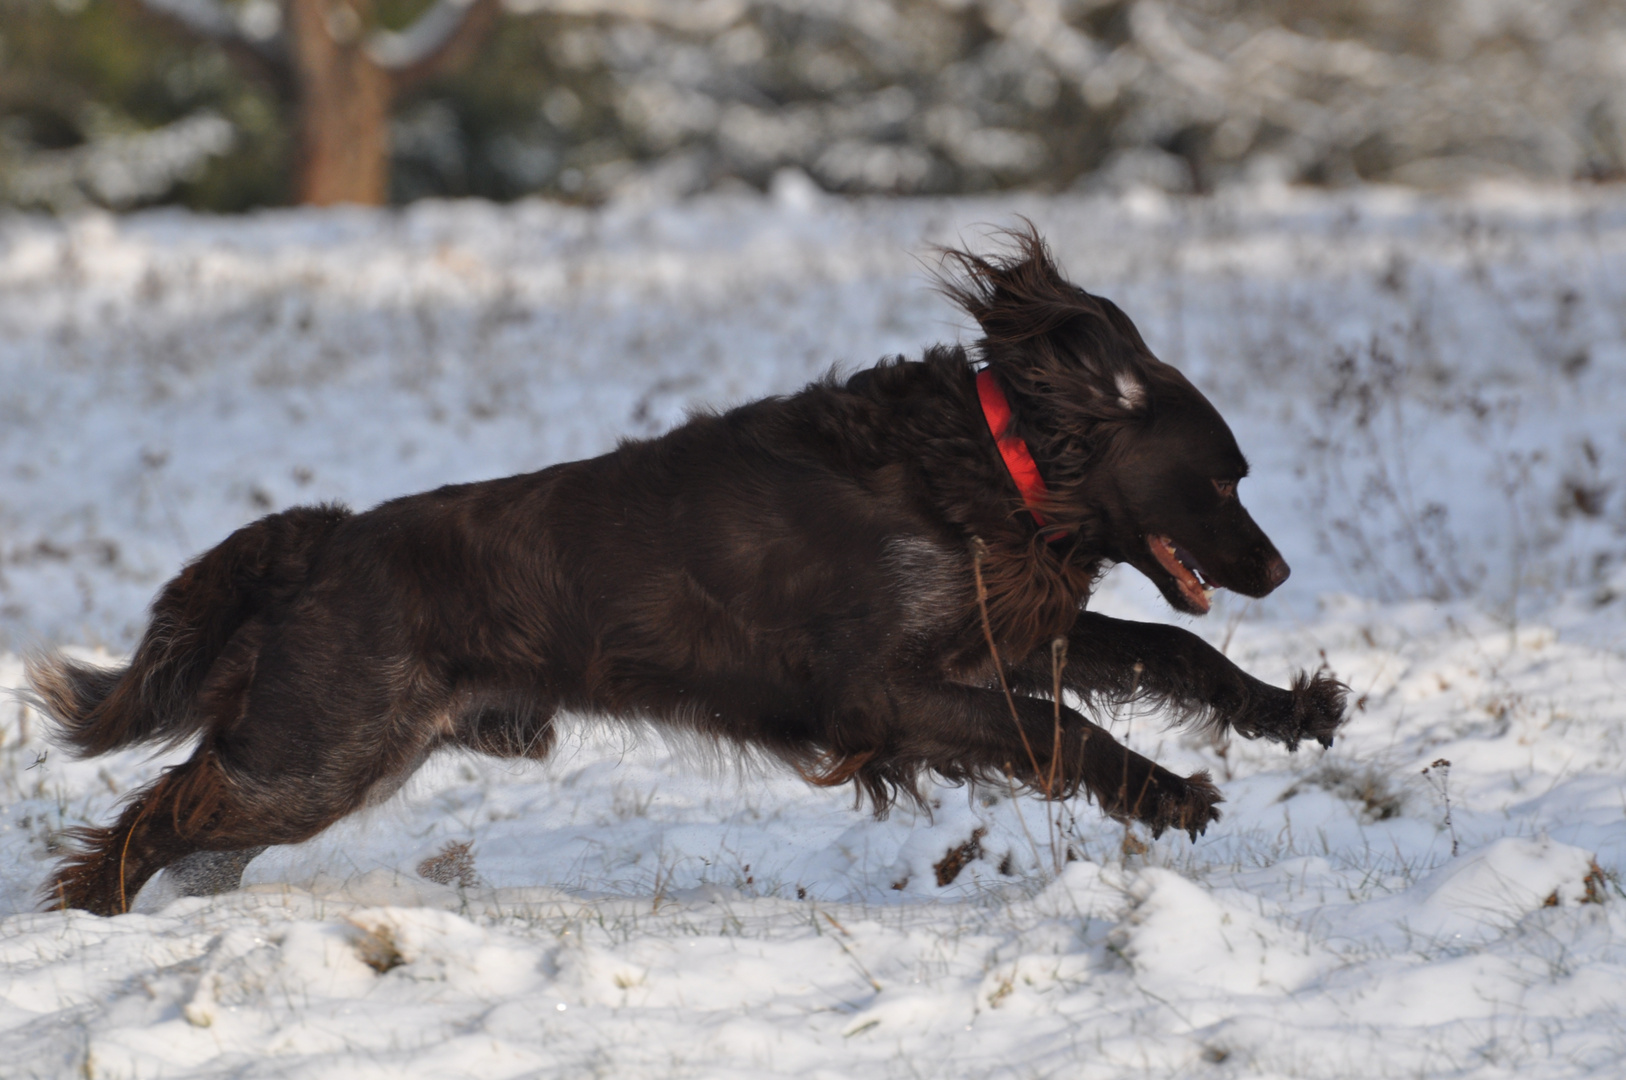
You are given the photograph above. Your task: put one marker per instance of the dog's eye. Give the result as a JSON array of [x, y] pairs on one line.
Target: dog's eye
[[1226, 488]]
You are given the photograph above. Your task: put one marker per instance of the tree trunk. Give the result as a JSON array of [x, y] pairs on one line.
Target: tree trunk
[[343, 102]]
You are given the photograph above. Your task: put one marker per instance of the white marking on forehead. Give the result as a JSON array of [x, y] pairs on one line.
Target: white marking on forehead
[[1130, 392]]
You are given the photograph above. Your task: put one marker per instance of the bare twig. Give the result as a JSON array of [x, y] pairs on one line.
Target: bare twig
[[1130, 844], [859, 964], [978, 551], [124, 854], [1058, 660], [1016, 808], [1438, 775], [1231, 625]]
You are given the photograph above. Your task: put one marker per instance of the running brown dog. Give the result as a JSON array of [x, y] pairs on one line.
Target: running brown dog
[[849, 579]]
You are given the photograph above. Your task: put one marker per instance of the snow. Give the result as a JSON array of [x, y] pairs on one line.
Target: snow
[[1429, 390]]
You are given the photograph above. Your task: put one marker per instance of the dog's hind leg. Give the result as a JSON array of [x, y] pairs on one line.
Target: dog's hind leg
[[206, 819], [302, 754], [206, 873], [107, 867]]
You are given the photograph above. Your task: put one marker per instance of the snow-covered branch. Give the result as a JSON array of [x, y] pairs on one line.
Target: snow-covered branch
[[251, 34], [439, 38], [690, 16], [118, 170], [255, 25], [204, 18]]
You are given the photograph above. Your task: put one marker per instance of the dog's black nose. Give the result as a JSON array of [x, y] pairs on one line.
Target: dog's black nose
[[1278, 571]]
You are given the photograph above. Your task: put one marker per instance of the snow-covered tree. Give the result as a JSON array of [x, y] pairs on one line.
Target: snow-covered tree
[[594, 98], [940, 95], [339, 69]]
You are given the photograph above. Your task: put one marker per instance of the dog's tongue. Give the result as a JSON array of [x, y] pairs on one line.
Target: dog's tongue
[[1189, 561], [1183, 568]]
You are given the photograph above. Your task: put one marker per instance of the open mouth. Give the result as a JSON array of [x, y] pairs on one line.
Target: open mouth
[[1185, 570]]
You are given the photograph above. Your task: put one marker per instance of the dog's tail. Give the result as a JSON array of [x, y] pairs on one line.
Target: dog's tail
[[98, 709]]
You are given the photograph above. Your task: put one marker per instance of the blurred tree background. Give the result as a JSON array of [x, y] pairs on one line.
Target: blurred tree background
[[132, 102]]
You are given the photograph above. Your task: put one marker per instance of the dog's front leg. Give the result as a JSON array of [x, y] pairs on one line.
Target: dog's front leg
[[965, 731], [1118, 660]]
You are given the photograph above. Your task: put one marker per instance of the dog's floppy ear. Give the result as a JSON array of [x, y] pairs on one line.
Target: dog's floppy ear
[[1044, 335], [1015, 297]]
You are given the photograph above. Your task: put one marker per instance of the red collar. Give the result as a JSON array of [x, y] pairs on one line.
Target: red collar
[[996, 409]]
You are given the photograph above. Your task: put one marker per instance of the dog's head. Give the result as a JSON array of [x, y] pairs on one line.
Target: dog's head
[[1136, 459]]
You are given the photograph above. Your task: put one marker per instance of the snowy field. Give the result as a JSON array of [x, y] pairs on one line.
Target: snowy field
[[1431, 391]]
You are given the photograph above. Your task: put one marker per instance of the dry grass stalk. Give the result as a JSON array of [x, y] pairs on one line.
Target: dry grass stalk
[[1058, 660], [979, 551]]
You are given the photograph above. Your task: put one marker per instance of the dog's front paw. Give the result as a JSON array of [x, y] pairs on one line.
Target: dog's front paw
[[1312, 709], [1187, 805], [1318, 706]]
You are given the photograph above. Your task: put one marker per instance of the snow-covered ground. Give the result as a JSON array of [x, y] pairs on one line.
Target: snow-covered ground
[[1431, 392]]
